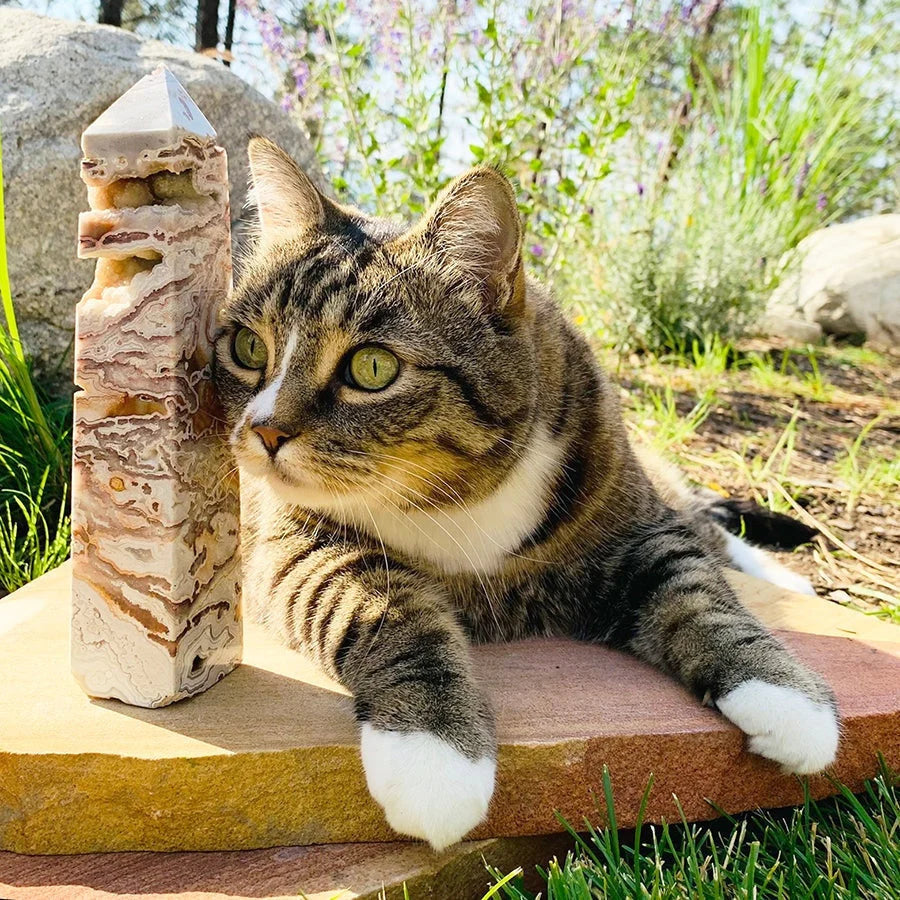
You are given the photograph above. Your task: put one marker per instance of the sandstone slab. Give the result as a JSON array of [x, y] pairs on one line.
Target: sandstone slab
[[327, 872], [269, 757], [55, 78]]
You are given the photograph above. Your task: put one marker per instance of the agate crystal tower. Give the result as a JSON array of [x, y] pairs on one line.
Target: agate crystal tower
[[155, 508]]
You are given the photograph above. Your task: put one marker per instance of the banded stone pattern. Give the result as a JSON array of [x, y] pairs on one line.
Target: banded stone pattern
[[155, 500]]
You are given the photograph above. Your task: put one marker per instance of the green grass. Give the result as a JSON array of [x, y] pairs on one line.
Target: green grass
[[773, 465], [670, 427], [803, 431], [867, 473], [859, 357], [844, 847], [34, 533], [34, 464], [788, 376]]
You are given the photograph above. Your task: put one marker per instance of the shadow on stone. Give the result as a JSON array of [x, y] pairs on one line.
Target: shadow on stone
[[256, 710]]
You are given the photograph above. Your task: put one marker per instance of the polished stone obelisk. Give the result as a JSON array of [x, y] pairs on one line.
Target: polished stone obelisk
[[155, 508]]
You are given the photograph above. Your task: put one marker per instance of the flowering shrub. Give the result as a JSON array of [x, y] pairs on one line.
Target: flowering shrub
[[667, 154]]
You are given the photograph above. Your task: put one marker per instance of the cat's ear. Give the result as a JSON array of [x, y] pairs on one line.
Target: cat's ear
[[288, 203], [474, 228]]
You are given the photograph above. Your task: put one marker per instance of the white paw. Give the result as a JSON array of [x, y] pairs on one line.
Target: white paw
[[784, 724], [428, 788]]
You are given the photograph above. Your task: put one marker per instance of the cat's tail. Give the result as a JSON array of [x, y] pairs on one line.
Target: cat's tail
[[744, 518], [747, 527], [759, 525], [737, 528]]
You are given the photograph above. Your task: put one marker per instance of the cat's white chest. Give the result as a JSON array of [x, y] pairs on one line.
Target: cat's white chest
[[477, 538]]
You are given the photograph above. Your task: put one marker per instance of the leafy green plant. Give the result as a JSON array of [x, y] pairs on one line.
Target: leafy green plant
[[400, 96], [777, 147], [34, 470], [802, 131]]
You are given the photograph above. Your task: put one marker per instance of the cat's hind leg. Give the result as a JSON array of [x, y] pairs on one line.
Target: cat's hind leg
[[682, 616]]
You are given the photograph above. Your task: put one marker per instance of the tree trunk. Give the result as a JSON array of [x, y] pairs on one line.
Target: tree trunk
[[681, 115], [207, 25], [111, 12], [229, 30]]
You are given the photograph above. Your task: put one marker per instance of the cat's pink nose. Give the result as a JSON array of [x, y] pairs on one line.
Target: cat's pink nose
[[272, 438]]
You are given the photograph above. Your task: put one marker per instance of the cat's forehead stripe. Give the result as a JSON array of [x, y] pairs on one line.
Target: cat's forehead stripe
[[327, 278]]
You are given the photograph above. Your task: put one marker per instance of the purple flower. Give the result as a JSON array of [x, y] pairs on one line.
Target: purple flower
[[687, 10], [800, 180], [661, 26], [537, 250], [301, 76], [822, 203], [640, 189]]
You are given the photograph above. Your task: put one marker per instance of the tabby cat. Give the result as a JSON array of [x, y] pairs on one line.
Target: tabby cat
[[430, 456]]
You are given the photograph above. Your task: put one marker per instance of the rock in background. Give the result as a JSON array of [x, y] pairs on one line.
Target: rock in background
[[55, 78], [846, 282]]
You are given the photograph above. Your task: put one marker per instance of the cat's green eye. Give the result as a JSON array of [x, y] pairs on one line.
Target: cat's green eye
[[372, 368], [249, 349]]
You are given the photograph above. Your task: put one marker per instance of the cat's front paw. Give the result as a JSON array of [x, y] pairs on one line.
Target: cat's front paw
[[784, 724], [428, 788]]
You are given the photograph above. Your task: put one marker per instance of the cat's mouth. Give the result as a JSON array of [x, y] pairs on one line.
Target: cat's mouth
[[280, 470], [297, 472]]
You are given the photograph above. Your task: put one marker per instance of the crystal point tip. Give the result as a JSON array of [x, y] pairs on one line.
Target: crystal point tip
[[156, 112]]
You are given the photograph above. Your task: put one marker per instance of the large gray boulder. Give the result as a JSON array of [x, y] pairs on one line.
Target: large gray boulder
[[55, 78], [845, 281]]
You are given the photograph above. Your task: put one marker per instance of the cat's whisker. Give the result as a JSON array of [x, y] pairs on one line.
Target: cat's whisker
[[387, 570], [465, 553], [229, 474], [526, 447], [459, 504], [447, 489], [475, 572]]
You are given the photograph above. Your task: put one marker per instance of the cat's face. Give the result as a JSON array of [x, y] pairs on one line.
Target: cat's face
[[358, 359]]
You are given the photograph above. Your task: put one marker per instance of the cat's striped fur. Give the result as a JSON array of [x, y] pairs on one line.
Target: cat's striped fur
[[489, 493]]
